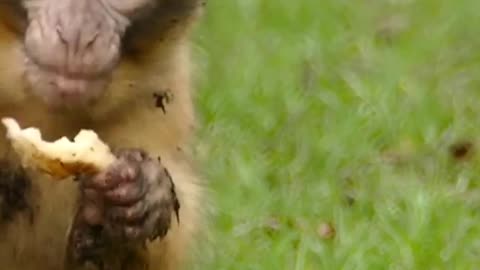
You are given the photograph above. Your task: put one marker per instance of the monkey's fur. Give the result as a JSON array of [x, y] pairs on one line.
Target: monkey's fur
[[36, 213]]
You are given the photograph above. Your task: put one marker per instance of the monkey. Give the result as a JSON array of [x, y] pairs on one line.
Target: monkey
[[67, 65]]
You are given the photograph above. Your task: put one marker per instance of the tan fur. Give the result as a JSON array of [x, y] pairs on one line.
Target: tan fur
[[126, 117]]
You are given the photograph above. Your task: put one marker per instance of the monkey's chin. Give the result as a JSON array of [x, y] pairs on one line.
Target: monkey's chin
[[56, 102], [60, 91], [58, 98]]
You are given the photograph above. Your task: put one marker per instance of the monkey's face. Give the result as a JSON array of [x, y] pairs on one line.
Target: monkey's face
[[71, 47]]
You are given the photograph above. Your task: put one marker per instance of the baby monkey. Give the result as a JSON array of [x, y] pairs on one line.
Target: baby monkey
[[67, 65]]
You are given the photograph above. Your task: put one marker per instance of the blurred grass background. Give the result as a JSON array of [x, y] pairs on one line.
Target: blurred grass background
[[341, 134]]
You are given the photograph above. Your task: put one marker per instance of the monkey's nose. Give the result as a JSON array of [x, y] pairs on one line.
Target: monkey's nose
[[69, 88], [76, 37]]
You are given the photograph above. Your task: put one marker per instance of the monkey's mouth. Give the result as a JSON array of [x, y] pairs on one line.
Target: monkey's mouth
[[60, 89]]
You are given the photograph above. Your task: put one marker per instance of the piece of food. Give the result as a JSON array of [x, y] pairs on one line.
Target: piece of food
[[87, 154]]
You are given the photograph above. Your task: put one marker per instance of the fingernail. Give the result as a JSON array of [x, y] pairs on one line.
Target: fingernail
[[92, 215]]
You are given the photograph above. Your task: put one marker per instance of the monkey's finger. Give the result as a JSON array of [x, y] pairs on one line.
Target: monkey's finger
[[101, 181], [131, 214], [152, 170], [158, 222], [92, 214], [134, 233], [120, 171], [152, 225], [142, 233], [92, 206], [126, 193], [131, 154], [131, 233]]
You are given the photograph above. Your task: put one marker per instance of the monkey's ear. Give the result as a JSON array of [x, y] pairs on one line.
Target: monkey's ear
[[13, 15]]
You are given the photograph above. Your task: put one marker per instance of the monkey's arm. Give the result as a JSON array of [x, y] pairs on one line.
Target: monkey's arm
[[122, 209], [162, 132]]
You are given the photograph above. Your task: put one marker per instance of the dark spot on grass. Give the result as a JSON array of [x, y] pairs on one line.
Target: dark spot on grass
[[350, 200], [390, 28], [326, 230], [461, 150], [308, 73], [272, 224]]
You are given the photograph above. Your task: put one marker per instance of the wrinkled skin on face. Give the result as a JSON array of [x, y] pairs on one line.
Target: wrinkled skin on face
[[72, 47]]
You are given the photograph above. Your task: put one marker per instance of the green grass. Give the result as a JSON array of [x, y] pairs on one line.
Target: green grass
[[340, 111]]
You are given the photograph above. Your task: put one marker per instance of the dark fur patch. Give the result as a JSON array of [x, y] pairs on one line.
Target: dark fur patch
[[162, 98], [155, 25], [13, 15], [15, 190], [90, 248]]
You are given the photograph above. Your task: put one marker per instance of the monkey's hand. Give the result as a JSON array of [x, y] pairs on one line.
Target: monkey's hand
[[133, 200]]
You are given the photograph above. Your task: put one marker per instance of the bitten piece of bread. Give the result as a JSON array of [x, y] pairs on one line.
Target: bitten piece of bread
[[87, 154]]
